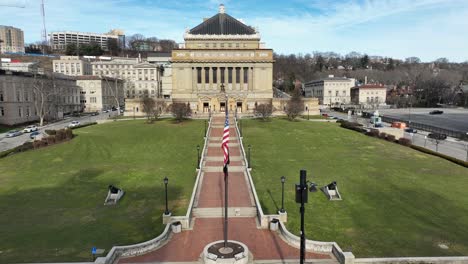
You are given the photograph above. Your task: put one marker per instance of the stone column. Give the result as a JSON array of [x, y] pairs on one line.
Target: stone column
[[241, 79], [194, 79], [218, 79], [210, 72]]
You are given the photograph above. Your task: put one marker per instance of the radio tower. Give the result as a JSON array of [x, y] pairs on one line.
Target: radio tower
[[44, 31]]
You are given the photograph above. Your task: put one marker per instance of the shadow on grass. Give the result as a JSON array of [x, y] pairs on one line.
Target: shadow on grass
[[63, 222], [273, 200]]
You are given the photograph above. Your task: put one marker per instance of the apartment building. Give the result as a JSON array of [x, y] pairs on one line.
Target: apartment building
[[11, 39], [153, 79], [100, 93], [330, 91], [60, 39], [72, 65], [17, 98]]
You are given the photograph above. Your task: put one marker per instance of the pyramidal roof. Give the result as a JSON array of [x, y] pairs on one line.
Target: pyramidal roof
[[222, 24]]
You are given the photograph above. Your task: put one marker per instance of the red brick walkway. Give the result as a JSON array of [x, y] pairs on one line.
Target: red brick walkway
[[188, 245]]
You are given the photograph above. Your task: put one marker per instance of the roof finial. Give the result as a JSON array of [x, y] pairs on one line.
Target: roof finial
[[221, 9]]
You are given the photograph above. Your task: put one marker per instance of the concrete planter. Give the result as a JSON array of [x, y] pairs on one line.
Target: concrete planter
[[274, 225], [176, 227]]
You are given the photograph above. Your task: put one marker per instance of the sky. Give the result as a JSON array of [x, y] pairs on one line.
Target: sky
[[428, 29]]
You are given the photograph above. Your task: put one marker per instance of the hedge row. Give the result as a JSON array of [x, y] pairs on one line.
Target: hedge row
[[84, 125], [56, 136], [449, 158], [351, 125]]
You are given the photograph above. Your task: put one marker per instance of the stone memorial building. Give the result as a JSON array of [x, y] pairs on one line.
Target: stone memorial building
[[222, 56]]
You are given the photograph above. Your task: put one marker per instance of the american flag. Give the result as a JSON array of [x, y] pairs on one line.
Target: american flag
[[224, 144]]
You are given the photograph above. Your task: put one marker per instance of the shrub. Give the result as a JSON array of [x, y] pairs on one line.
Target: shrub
[[50, 140], [50, 132], [24, 147], [373, 132], [383, 135], [449, 158], [68, 134], [37, 144], [6, 153], [391, 138], [44, 141], [353, 126], [61, 135], [404, 142]]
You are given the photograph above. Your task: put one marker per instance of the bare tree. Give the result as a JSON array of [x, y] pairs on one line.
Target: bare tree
[[149, 106], [295, 106], [263, 110], [45, 95], [181, 111]]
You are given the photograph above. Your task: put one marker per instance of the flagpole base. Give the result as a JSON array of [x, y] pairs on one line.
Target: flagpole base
[[234, 253]]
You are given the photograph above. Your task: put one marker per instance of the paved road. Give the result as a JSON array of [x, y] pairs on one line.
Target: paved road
[[9, 143], [451, 146]]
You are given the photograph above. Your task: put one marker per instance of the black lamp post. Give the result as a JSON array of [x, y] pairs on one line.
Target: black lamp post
[[301, 197], [283, 179], [198, 156], [166, 180], [248, 158]]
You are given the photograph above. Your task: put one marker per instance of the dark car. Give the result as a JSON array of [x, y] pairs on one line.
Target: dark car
[[436, 112], [411, 130], [437, 136]]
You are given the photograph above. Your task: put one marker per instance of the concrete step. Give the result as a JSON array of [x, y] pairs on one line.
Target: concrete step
[[220, 169], [214, 212], [218, 158]]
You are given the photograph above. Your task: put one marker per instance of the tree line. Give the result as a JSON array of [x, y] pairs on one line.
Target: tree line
[[421, 84]]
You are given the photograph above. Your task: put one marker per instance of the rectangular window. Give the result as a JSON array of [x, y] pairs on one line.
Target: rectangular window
[[238, 75], [207, 75], [1, 96], [27, 111], [17, 96], [215, 75], [246, 75], [2, 111], [198, 75], [230, 75], [20, 111], [222, 74]]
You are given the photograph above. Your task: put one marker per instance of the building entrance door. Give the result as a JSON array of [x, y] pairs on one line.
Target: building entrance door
[[206, 107], [239, 107], [222, 107]]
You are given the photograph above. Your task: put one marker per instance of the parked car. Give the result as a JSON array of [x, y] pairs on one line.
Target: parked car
[[378, 125], [36, 135], [411, 130], [436, 112], [95, 113], [105, 111], [30, 129], [437, 136], [74, 124], [13, 133]]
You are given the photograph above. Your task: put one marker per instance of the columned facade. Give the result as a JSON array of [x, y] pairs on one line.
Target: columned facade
[[222, 57]]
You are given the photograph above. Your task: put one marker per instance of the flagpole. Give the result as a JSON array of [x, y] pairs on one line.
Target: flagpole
[[225, 170]]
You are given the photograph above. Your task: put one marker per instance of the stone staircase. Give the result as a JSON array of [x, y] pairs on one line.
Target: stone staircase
[[217, 212]]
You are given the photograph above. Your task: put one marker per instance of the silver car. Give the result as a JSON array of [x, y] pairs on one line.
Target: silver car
[[13, 133]]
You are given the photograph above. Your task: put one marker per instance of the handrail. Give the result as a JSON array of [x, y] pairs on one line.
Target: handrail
[[260, 214]]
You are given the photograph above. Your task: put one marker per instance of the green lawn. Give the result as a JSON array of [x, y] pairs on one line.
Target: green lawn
[[51, 200], [396, 201]]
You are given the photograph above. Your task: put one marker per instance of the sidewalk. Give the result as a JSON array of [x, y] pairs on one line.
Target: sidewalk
[[208, 212]]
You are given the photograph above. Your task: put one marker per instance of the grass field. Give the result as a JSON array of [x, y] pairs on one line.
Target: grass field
[[396, 201], [52, 199]]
